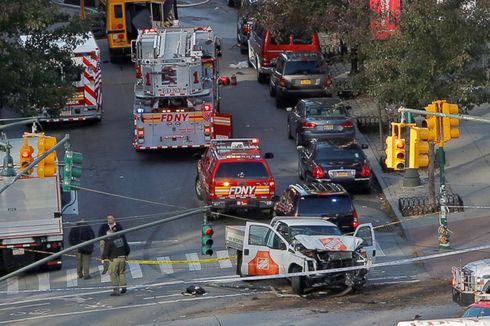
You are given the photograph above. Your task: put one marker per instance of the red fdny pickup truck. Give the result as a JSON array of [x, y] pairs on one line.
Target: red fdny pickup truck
[[233, 175]]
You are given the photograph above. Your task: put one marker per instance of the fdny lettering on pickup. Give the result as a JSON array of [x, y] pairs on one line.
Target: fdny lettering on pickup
[[169, 117], [242, 190]]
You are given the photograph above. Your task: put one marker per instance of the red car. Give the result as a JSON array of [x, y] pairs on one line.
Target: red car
[[233, 175], [478, 309]]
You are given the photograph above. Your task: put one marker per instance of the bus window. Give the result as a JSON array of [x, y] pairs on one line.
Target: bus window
[[118, 13], [156, 11]]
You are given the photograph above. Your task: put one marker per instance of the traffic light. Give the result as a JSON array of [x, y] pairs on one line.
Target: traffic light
[[431, 122], [395, 147], [46, 167], [207, 240], [26, 156], [450, 126], [389, 152], [419, 148], [72, 170], [399, 157]]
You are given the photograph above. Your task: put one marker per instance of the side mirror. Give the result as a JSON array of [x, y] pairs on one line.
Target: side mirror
[[268, 155], [289, 109], [364, 146]]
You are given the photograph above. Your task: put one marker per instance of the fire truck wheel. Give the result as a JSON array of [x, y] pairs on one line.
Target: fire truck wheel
[[297, 282], [243, 50], [198, 189], [261, 78]]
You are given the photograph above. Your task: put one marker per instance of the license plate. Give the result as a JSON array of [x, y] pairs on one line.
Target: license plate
[[305, 82], [242, 202], [342, 174], [328, 127], [17, 251]]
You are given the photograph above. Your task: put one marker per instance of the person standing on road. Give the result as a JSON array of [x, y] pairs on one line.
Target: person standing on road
[[116, 249], [110, 225], [78, 234]]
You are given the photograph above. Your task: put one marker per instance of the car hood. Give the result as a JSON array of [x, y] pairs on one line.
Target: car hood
[[329, 242], [479, 267]]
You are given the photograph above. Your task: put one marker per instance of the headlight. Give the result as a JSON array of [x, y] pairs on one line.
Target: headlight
[[140, 110], [310, 253]]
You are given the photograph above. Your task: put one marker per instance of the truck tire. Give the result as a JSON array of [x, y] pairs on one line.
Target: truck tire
[[198, 189], [297, 282]]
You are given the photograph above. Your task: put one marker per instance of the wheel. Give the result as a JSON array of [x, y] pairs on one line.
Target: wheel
[[297, 282], [272, 90], [299, 140], [243, 50], [261, 78], [279, 102], [366, 187], [230, 3], [198, 189], [268, 213], [301, 176], [289, 131]]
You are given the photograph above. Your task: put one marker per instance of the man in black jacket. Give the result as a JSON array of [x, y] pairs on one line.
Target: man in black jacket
[[78, 234], [116, 249], [110, 225]]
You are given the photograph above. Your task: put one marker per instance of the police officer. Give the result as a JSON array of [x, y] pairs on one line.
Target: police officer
[[78, 234], [110, 225], [116, 249]]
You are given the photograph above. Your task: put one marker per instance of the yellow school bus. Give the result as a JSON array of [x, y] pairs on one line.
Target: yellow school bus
[[125, 17]]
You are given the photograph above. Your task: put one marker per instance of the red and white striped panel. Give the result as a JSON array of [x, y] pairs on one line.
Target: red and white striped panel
[[91, 78]]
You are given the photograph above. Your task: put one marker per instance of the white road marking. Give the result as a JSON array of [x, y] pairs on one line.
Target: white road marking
[[106, 277], [43, 279], [394, 282], [163, 296], [379, 251], [388, 278], [21, 307], [193, 266], [224, 263], [71, 277], [135, 270], [165, 268], [141, 305], [213, 278], [13, 285]]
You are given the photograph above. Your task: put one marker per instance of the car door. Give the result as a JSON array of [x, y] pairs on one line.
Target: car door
[[366, 233], [263, 251]]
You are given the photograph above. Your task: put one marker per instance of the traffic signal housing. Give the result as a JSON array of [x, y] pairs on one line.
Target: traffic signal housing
[[47, 167], [395, 147], [450, 126], [26, 156], [431, 122], [72, 170], [419, 148], [207, 240]]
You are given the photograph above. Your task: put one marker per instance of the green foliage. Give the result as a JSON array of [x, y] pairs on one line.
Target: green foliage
[[36, 72]]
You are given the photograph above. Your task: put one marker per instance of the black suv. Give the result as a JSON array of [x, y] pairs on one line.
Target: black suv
[[325, 200], [297, 75]]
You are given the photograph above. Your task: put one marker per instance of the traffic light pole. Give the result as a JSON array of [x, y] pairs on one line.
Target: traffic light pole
[[445, 115], [36, 161]]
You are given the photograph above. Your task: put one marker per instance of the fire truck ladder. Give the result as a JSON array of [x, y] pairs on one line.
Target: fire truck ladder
[[174, 45]]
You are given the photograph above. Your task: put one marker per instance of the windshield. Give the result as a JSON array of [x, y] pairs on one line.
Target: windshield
[[324, 205], [325, 112], [314, 230], [304, 68], [477, 312], [242, 170], [338, 154]]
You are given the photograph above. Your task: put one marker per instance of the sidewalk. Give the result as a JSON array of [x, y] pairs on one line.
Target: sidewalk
[[467, 172]]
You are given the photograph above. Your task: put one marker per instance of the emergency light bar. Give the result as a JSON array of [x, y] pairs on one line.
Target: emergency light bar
[[236, 143]]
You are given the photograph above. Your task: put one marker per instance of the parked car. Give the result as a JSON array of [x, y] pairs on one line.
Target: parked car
[[245, 21], [337, 160], [478, 309], [319, 118], [327, 200], [298, 75], [264, 45]]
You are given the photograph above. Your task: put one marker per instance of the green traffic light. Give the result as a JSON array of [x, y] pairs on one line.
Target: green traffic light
[[207, 240], [72, 170]]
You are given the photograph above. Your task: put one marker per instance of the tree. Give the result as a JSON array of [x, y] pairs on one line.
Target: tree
[[34, 71]]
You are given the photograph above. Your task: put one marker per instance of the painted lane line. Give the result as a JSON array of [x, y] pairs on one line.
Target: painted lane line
[[213, 278], [135, 270], [387, 278], [379, 251], [163, 296], [393, 282], [71, 277], [43, 279], [141, 305], [224, 263], [13, 285], [104, 278], [193, 266], [165, 268], [21, 307]]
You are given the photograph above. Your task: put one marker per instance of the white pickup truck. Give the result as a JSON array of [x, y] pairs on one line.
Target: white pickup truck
[[292, 245], [471, 282]]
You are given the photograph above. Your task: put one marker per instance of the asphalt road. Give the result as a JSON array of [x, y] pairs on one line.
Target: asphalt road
[[166, 178]]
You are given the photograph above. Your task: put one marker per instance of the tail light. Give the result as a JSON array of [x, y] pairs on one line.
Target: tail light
[[272, 187], [365, 171], [255, 141], [246, 29], [148, 80], [120, 36], [327, 82], [207, 130], [211, 187], [347, 124], [282, 82], [309, 125], [140, 132], [54, 245], [206, 107], [138, 71], [318, 172], [119, 26], [355, 220]]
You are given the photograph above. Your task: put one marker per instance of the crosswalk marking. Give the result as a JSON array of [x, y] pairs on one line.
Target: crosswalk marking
[[165, 268], [43, 279], [71, 277], [135, 270], [224, 263], [193, 266], [13, 285], [104, 278]]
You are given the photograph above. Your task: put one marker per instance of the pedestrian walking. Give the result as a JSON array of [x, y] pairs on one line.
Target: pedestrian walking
[[80, 233], [110, 225], [116, 249]]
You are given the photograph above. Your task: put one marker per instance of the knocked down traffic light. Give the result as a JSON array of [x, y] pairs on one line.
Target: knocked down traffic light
[[207, 240], [46, 167], [26, 156], [72, 170]]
